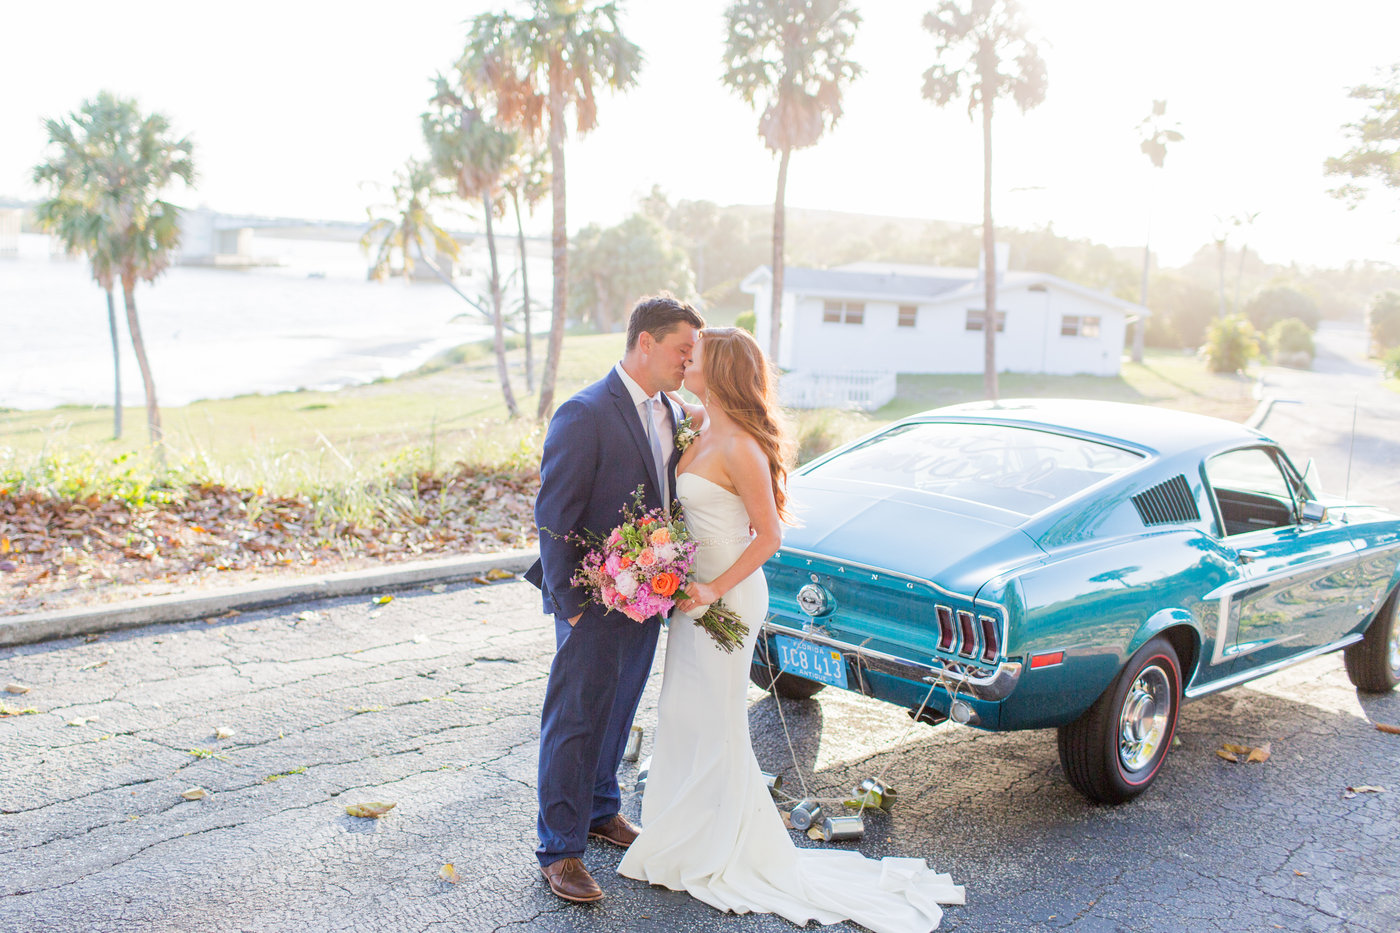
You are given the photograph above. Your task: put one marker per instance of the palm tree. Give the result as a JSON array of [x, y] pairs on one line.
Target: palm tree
[[82, 229], [1154, 146], [110, 162], [474, 153], [538, 66], [990, 51], [527, 179], [790, 56], [409, 228]]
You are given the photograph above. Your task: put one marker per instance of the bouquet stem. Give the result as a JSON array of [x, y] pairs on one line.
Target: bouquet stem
[[726, 628]]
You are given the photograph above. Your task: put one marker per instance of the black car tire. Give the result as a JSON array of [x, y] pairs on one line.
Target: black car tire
[[788, 686], [1373, 663], [1104, 753]]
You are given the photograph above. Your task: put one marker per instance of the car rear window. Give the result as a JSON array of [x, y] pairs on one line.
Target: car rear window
[[1021, 470]]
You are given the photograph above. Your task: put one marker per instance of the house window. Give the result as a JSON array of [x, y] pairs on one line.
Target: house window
[[976, 317], [908, 315], [844, 312], [1076, 325]]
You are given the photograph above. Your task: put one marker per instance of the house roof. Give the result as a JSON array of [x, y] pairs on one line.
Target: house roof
[[918, 284]]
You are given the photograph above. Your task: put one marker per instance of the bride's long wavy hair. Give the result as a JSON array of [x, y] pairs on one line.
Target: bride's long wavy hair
[[739, 379]]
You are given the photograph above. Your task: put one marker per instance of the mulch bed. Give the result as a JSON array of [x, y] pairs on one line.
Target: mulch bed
[[59, 553]]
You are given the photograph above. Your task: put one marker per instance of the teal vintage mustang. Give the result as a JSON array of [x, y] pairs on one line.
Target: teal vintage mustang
[[1085, 565]]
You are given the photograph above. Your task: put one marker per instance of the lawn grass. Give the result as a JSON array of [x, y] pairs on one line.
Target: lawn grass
[[451, 411]]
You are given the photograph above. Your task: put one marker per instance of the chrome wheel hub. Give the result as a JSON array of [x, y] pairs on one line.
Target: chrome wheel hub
[[1142, 727]]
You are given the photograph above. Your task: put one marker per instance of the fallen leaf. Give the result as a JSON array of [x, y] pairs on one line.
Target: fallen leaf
[[81, 721], [440, 588], [814, 833], [1260, 754], [449, 873], [195, 793], [16, 711], [17, 688], [93, 666], [373, 809], [496, 573], [307, 616], [1227, 754], [1237, 749], [481, 581], [4, 545], [223, 732], [383, 600], [1366, 789], [1387, 727], [1300, 874]]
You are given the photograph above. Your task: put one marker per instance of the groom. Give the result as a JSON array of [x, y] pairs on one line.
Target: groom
[[610, 438]]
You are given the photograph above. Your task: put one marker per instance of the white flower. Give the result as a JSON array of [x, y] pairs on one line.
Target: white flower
[[665, 552], [626, 584]]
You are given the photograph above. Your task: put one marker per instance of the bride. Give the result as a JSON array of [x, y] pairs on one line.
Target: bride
[[710, 826]]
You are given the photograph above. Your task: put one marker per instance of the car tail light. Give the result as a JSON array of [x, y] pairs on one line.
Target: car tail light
[[989, 638], [947, 633], [968, 628]]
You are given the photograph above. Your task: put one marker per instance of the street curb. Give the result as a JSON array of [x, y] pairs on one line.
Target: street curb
[[62, 623], [1260, 413]]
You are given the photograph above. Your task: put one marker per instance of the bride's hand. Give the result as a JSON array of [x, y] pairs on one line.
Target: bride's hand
[[696, 595]]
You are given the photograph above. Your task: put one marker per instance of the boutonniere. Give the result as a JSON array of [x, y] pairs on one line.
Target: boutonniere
[[685, 434]]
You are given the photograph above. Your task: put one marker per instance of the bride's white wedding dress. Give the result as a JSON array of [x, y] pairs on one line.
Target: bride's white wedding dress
[[710, 826]]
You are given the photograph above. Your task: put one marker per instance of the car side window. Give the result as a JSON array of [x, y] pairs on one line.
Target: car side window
[[1251, 491]]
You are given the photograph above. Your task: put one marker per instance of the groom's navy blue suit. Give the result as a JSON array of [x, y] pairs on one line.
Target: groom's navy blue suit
[[595, 456]]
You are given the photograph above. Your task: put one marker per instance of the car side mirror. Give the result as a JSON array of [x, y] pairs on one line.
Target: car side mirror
[[1314, 512]]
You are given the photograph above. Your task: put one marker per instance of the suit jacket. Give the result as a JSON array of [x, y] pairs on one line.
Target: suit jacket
[[595, 456]]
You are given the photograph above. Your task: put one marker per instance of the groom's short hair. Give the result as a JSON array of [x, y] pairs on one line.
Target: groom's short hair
[[658, 315]]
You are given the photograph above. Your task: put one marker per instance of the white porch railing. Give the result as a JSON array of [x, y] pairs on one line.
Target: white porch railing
[[852, 389]]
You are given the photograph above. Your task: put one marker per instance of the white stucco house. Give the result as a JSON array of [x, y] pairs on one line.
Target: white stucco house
[[925, 319]]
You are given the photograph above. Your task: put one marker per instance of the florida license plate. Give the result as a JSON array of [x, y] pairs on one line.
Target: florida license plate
[[815, 662]]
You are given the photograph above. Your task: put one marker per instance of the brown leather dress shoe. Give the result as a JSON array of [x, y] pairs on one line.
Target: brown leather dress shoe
[[619, 830], [571, 881]]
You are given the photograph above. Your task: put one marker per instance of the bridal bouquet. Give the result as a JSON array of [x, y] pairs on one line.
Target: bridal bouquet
[[642, 563]]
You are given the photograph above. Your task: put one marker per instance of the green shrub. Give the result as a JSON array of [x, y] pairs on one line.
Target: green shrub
[[1291, 343], [1231, 343], [747, 320], [1279, 303], [1383, 318], [1391, 362]]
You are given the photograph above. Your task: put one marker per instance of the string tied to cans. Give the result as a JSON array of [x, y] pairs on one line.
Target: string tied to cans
[[808, 813]]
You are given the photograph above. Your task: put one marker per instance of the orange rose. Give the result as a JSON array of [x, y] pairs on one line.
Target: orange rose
[[665, 583], [624, 562], [661, 535], [647, 558]]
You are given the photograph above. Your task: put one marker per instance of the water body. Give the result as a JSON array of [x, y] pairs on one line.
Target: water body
[[313, 322]]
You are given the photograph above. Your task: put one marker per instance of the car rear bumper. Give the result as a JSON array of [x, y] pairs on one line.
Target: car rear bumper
[[990, 684]]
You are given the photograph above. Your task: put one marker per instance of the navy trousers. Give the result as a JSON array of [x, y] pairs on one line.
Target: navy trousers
[[595, 683]]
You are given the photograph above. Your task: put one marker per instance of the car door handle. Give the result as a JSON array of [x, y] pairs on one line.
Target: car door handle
[[1249, 554]]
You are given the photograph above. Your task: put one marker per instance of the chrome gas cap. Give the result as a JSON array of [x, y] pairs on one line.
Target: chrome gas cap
[[815, 600]]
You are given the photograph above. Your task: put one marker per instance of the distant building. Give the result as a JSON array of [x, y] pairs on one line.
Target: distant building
[[882, 317], [10, 221]]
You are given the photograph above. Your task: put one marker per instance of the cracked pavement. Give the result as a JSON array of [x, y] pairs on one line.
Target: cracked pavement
[[431, 702]]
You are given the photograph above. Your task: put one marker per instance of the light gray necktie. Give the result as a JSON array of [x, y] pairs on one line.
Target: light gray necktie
[[656, 455]]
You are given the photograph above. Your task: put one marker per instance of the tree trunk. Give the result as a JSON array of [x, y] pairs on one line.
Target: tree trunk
[[560, 241], [1141, 326], [1239, 277], [497, 315], [775, 309], [116, 367], [989, 249], [525, 297], [1221, 247], [133, 324]]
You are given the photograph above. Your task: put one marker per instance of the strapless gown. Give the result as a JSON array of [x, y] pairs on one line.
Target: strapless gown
[[710, 827]]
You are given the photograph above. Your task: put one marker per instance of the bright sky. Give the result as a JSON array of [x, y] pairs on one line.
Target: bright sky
[[293, 106]]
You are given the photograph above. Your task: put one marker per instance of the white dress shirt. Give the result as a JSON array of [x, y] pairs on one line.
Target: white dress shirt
[[664, 433]]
